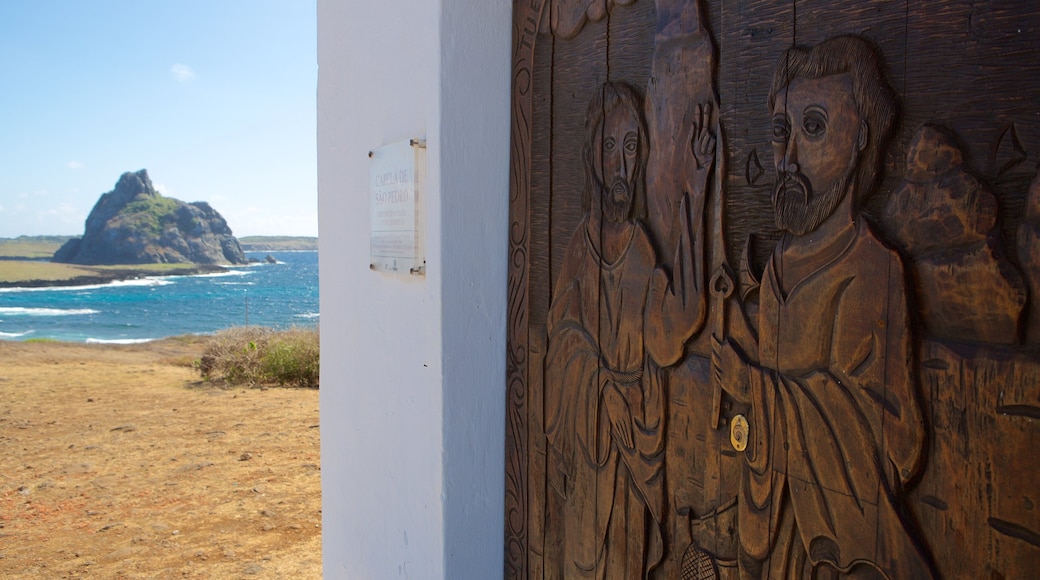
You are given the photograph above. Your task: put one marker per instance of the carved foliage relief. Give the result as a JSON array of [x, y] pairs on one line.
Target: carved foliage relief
[[774, 296]]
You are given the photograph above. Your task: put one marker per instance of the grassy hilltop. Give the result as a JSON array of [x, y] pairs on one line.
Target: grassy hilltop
[[278, 243], [31, 247]]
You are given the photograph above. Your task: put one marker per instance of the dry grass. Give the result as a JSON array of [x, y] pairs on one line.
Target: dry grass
[[118, 464], [31, 248], [24, 271]]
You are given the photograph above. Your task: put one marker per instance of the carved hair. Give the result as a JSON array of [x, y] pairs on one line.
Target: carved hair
[[874, 98], [610, 96]]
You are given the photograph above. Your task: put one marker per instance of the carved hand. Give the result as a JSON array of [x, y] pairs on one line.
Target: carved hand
[[729, 368], [702, 144], [619, 415]]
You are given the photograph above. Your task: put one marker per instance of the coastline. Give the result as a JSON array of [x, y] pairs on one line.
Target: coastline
[[108, 274], [41, 300]]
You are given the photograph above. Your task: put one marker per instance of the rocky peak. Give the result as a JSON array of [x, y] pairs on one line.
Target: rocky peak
[[129, 186], [135, 224]]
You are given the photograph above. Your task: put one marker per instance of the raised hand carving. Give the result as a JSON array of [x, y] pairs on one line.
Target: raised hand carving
[[702, 144]]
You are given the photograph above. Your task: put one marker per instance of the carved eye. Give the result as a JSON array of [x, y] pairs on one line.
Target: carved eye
[[631, 145], [609, 144], [814, 124], [781, 129]]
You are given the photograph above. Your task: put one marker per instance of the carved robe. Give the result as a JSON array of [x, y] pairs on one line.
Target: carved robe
[[836, 425], [611, 485]]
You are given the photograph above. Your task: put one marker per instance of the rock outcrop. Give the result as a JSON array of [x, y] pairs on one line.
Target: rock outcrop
[[944, 219], [134, 224], [1029, 258]]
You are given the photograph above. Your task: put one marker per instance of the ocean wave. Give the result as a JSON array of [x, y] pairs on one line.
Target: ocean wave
[[156, 281], [15, 334], [308, 315], [236, 283], [210, 275], [113, 284], [21, 311], [119, 340]]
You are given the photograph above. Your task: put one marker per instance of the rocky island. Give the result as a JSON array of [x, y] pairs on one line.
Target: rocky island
[[135, 224]]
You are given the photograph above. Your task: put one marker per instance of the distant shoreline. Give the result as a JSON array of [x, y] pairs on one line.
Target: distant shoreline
[[107, 276], [278, 243], [25, 262]]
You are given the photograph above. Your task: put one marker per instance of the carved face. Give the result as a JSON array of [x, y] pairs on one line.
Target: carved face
[[817, 137], [616, 162]]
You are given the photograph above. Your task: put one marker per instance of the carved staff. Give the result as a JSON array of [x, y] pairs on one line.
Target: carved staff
[[721, 286]]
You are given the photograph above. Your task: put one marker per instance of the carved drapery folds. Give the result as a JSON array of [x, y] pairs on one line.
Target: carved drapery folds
[[861, 396]]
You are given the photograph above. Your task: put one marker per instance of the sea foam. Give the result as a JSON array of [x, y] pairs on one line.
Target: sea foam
[[114, 284], [20, 311], [118, 340]]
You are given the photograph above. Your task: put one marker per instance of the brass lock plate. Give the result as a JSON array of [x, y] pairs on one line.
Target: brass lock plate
[[739, 431]]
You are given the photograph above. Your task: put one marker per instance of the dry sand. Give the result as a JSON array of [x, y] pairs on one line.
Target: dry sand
[[118, 463]]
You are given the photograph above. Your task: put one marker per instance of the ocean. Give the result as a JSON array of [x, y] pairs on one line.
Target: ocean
[[280, 295]]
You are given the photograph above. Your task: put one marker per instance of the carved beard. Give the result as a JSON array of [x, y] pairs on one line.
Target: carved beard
[[616, 200], [799, 209]]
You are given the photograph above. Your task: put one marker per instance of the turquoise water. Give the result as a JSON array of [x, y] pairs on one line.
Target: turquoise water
[[278, 295]]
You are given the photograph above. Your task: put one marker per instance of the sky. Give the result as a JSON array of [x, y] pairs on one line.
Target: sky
[[215, 98]]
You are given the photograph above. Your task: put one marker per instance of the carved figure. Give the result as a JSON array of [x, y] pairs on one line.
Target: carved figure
[[835, 430], [613, 322]]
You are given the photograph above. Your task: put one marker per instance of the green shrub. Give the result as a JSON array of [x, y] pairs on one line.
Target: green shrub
[[234, 355], [292, 358], [255, 355]]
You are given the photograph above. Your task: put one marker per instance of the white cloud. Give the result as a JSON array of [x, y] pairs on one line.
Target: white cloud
[[76, 165], [60, 209], [161, 189], [182, 73], [64, 213]]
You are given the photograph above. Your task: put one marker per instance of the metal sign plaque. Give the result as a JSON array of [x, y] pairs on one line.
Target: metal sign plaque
[[398, 173]]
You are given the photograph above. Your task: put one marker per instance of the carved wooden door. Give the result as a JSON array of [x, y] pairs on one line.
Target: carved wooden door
[[774, 294]]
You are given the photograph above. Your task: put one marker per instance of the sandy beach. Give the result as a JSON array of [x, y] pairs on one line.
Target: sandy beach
[[118, 462]]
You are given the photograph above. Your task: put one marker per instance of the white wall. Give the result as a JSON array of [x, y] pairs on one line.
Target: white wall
[[412, 396]]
